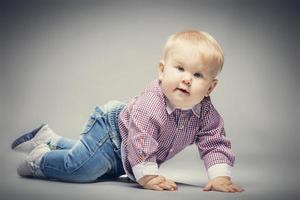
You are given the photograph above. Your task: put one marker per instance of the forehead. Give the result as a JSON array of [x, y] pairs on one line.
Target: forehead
[[188, 55]]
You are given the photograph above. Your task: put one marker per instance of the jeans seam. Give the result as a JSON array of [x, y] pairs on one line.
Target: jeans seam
[[99, 145], [93, 154]]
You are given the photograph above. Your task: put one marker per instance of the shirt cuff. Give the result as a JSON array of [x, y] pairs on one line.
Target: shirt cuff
[[221, 169], [145, 168]]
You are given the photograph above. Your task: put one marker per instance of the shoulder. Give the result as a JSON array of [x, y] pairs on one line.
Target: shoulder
[[151, 102], [208, 110]]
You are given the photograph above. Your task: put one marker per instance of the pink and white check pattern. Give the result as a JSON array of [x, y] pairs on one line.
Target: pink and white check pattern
[[152, 134]]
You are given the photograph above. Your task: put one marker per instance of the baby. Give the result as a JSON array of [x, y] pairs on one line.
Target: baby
[[173, 112]]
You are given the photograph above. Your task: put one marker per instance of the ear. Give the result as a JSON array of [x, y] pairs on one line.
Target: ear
[[212, 86], [161, 69]]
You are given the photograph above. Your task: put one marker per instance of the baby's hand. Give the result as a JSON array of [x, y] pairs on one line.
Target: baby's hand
[[158, 183], [222, 184]]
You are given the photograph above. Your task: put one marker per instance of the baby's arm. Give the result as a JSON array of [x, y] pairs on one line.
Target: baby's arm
[[142, 147], [215, 150]]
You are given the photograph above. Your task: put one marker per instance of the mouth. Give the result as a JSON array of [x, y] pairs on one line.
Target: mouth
[[183, 91]]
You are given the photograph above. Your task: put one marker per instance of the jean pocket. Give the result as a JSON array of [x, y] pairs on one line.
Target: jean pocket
[[89, 125], [98, 113]]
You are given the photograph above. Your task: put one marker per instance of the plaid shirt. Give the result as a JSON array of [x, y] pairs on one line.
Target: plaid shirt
[[153, 132]]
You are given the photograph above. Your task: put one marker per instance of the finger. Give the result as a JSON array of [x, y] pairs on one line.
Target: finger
[[237, 188], [230, 189], [157, 180], [173, 184], [156, 187], [153, 187], [220, 188], [166, 186], [208, 187], [226, 188]]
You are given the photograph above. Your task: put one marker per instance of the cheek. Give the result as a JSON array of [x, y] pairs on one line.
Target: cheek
[[171, 72], [171, 77], [166, 85], [200, 90]]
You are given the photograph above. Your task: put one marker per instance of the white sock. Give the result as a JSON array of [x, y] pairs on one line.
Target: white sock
[[53, 137]]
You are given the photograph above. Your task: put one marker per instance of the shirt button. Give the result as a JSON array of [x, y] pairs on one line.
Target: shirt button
[[181, 127], [171, 150]]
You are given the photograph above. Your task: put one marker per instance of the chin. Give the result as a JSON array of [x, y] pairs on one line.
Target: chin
[[184, 107]]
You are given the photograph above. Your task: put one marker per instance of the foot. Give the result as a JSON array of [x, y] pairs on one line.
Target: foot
[[30, 167], [27, 142]]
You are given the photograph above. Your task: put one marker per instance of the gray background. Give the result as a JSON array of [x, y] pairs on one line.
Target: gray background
[[61, 58]]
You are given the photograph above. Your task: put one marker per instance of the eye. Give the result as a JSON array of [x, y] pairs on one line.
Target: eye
[[198, 75], [180, 68]]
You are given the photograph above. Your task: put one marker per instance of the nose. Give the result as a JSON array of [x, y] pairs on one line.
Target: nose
[[187, 79]]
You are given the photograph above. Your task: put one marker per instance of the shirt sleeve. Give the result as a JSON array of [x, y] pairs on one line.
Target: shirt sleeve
[[142, 144], [216, 170], [213, 146]]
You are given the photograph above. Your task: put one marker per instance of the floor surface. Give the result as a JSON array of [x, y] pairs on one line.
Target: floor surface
[[256, 176]]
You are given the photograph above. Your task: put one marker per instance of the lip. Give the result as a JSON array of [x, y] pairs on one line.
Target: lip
[[182, 90]]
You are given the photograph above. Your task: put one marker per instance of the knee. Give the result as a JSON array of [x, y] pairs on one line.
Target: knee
[[85, 174]]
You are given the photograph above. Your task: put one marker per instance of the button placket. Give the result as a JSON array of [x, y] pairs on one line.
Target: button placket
[[183, 116], [181, 124], [180, 127]]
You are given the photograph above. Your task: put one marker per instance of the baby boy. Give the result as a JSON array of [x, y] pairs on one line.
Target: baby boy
[[173, 112]]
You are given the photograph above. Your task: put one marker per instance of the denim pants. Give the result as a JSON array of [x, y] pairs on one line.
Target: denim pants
[[96, 154]]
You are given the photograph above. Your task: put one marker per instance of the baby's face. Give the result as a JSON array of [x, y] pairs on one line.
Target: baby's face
[[185, 78]]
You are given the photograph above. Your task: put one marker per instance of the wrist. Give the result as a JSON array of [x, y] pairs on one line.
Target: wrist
[[145, 179], [223, 177], [145, 169], [217, 170]]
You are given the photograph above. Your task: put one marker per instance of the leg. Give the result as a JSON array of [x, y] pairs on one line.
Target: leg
[[90, 158], [41, 135], [64, 143]]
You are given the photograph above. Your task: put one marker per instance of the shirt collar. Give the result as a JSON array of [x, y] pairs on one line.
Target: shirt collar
[[196, 109]]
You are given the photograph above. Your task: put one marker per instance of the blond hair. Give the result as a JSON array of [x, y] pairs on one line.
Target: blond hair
[[208, 48]]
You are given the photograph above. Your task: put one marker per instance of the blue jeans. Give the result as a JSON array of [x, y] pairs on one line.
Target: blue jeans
[[96, 154]]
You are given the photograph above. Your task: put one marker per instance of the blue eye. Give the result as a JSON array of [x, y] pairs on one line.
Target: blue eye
[[198, 75], [180, 68]]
